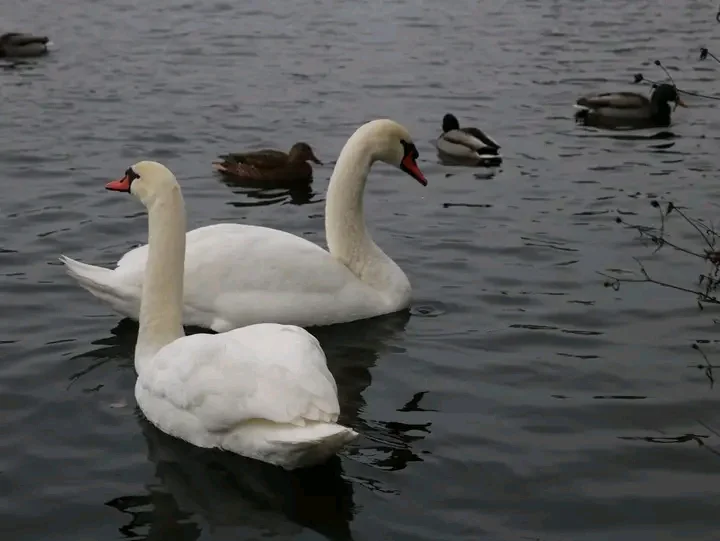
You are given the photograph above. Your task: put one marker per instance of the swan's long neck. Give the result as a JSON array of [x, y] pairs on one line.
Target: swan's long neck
[[347, 236], [161, 307]]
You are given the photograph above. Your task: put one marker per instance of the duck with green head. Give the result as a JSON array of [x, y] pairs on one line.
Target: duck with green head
[[470, 146], [628, 110], [270, 166]]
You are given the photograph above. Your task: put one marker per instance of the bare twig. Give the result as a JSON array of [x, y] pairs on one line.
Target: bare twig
[[708, 427], [615, 281], [709, 282], [707, 367]]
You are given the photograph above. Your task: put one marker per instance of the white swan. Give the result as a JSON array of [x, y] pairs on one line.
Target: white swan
[[263, 391], [237, 275]]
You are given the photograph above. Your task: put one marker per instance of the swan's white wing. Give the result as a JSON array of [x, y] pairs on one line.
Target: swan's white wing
[[264, 372], [240, 274], [229, 255]]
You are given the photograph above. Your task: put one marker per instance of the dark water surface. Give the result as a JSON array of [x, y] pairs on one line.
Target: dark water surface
[[519, 400]]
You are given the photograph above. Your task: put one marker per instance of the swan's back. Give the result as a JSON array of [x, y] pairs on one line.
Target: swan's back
[[242, 274], [263, 391]]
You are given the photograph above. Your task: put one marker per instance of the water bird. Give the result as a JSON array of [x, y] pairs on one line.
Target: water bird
[[466, 145], [237, 275], [618, 110], [263, 391], [269, 166], [16, 44]]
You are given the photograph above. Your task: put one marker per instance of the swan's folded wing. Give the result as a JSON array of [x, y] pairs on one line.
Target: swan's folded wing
[[241, 274], [264, 372], [244, 260], [234, 257]]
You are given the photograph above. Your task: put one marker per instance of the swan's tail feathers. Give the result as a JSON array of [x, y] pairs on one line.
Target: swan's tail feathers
[[291, 446], [102, 283], [88, 276]]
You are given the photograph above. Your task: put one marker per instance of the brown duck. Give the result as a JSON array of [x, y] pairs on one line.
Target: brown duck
[[270, 166]]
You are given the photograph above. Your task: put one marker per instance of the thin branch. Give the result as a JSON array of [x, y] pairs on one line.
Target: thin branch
[[615, 282], [709, 428], [694, 223], [708, 368], [709, 283]]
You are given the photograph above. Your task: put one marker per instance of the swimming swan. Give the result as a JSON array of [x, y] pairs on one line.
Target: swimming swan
[[263, 391]]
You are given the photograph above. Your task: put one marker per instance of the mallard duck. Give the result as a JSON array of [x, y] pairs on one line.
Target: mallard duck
[[469, 145], [628, 109], [15, 44], [270, 166]]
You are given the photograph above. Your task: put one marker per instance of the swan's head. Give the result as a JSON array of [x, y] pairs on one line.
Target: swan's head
[[145, 180], [393, 145]]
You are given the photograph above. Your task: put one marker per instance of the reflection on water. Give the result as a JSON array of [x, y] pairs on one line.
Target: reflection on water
[[260, 197], [196, 487]]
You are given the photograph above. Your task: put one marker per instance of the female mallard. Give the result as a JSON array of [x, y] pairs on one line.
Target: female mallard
[[467, 145], [15, 44], [628, 109], [270, 166]]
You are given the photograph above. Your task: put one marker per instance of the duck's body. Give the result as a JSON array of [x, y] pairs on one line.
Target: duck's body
[[466, 145], [270, 166], [628, 110], [237, 275], [263, 391], [19, 45]]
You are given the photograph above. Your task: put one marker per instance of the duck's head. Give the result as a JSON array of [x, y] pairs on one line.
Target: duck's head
[[145, 180], [303, 153], [665, 93], [450, 122]]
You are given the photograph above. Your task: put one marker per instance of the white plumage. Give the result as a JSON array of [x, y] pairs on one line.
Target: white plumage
[[263, 391], [237, 275]]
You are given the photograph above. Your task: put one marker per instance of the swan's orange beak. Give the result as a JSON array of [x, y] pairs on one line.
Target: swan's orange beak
[[409, 165], [121, 185], [681, 103]]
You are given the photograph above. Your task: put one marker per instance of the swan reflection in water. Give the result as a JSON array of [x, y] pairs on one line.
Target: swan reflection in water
[[198, 489]]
